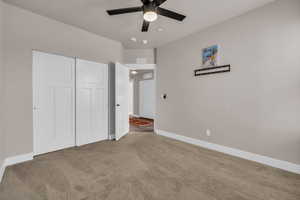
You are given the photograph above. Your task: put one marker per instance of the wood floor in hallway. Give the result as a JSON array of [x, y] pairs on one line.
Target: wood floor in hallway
[[145, 167]]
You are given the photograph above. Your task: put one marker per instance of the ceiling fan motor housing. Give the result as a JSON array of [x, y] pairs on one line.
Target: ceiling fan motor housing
[[149, 8]]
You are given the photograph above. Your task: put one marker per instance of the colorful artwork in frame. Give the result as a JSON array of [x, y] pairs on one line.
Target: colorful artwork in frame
[[210, 56]]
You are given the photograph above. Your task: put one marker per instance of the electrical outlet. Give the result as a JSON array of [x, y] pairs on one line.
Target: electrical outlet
[[208, 133]]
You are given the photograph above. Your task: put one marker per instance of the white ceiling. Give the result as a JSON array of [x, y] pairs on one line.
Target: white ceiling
[[91, 16]]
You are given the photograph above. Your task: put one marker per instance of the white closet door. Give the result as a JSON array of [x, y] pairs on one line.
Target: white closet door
[[122, 100], [91, 102], [54, 102], [147, 99]]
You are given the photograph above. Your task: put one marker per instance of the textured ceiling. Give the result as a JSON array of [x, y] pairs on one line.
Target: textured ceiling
[[91, 16]]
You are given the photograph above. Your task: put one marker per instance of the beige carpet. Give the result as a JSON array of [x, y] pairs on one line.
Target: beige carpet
[[145, 167]]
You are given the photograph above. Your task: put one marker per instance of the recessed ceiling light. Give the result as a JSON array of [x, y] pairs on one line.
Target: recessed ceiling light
[[160, 29], [145, 41], [133, 39], [134, 72]]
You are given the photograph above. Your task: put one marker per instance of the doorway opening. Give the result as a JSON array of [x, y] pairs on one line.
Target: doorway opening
[[142, 100]]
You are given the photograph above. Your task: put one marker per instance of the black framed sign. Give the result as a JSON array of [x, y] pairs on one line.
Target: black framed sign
[[212, 70]]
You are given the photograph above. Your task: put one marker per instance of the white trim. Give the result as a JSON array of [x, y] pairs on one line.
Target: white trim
[[133, 115], [34, 99], [13, 161], [156, 95], [291, 167], [2, 169], [18, 159], [141, 66]]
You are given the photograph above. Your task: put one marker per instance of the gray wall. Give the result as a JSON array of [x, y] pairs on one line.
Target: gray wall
[[25, 31], [2, 138], [130, 55], [256, 107]]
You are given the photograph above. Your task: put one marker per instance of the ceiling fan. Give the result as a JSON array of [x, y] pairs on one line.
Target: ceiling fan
[[151, 10]]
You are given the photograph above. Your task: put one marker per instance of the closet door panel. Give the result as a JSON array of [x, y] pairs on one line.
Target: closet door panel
[[54, 102], [92, 102], [83, 113]]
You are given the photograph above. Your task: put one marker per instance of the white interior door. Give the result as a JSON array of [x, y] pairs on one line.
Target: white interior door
[[54, 102], [147, 98], [91, 102], [122, 101]]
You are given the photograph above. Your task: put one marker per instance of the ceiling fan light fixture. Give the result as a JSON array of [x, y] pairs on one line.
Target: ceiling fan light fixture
[[150, 16]]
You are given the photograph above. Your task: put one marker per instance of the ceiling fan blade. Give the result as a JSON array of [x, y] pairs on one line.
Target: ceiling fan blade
[[124, 10], [170, 14], [145, 2], [159, 2], [145, 26]]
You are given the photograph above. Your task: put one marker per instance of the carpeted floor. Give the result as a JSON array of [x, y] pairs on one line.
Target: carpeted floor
[[145, 167]]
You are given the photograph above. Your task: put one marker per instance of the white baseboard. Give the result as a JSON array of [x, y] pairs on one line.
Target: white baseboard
[[291, 167], [18, 159], [13, 161]]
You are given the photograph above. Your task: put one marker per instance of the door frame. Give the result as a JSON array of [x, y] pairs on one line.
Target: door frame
[[148, 67]]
